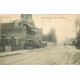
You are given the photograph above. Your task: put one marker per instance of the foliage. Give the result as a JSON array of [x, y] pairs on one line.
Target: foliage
[[26, 16], [51, 36]]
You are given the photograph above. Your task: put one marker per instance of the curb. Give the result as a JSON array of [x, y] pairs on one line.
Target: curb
[[15, 53]]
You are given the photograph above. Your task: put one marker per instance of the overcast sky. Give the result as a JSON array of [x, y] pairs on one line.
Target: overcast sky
[[63, 24]]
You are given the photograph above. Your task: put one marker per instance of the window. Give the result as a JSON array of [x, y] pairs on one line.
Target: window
[[6, 42], [29, 41], [0, 42], [40, 34], [37, 34], [17, 42], [10, 41]]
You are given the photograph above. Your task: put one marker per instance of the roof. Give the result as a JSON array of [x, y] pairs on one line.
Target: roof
[[5, 26], [29, 25]]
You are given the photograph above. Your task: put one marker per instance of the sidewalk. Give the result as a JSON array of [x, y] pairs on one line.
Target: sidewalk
[[8, 53]]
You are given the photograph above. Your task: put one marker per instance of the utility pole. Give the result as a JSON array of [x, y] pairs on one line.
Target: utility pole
[[42, 29], [0, 26], [77, 26], [43, 25]]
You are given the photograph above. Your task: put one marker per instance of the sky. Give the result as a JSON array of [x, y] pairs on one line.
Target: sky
[[9, 17], [64, 24]]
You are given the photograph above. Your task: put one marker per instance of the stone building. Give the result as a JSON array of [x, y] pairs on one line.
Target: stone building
[[11, 34], [19, 35], [33, 35]]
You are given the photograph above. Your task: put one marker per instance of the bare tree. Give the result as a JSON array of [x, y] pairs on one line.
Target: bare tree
[[51, 36]]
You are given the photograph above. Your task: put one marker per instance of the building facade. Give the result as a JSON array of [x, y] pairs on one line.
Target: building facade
[[19, 35], [10, 37], [33, 35]]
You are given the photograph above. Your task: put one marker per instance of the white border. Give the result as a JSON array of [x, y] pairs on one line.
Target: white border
[[40, 6], [37, 72]]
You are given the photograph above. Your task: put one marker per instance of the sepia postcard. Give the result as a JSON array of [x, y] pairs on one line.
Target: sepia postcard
[[39, 39]]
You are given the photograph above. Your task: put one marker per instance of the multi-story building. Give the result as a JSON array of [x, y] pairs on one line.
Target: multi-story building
[[33, 35], [19, 35], [10, 36]]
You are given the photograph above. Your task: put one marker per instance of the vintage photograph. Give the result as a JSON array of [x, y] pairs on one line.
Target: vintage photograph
[[39, 39]]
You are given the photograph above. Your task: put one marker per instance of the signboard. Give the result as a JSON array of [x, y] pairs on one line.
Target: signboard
[[8, 48]]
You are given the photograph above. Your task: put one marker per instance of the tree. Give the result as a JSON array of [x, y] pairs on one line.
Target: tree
[[52, 36], [45, 37], [27, 18]]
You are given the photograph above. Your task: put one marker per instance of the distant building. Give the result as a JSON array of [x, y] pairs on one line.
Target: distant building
[[19, 35]]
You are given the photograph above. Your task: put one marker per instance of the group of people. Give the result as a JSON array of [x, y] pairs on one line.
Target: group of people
[[32, 45], [35, 45]]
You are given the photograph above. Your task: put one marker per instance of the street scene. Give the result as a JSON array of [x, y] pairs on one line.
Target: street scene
[[39, 39], [58, 55]]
